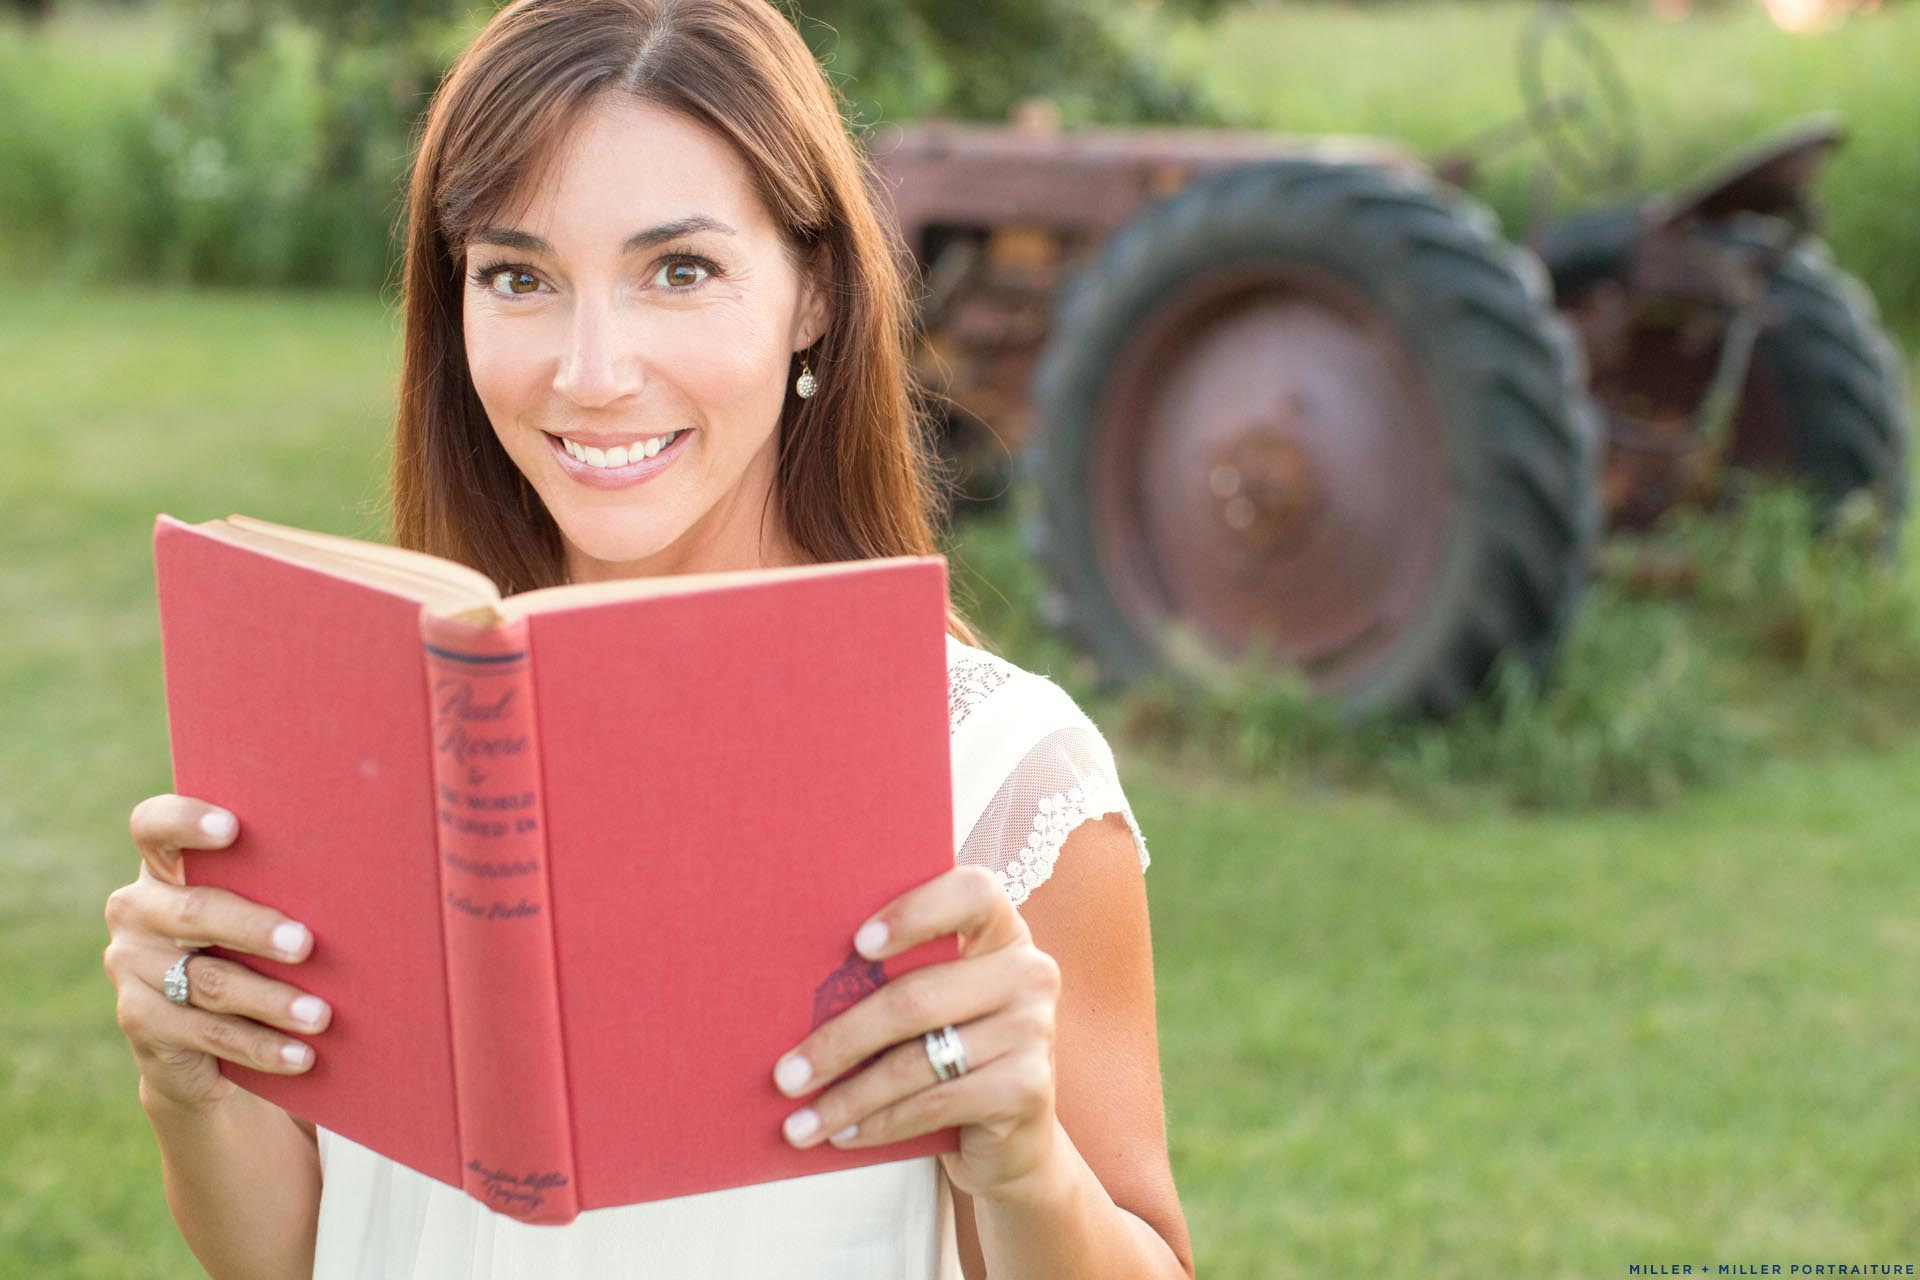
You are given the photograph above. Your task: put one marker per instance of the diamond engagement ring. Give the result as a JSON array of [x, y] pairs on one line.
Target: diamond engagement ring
[[944, 1051], [174, 985]]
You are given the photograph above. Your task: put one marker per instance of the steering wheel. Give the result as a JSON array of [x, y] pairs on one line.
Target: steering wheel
[[1578, 104]]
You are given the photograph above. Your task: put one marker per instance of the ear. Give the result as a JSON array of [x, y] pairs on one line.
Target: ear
[[810, 316]]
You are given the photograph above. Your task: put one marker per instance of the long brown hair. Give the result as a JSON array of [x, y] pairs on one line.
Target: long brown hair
[[857, 477]]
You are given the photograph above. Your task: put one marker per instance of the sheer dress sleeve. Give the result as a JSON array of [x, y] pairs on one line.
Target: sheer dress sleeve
[[1029, 767]]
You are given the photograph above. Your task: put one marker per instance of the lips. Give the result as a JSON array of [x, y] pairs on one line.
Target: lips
[[636, 472]]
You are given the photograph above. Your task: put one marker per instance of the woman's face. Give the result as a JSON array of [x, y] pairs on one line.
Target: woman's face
[[641, 304]]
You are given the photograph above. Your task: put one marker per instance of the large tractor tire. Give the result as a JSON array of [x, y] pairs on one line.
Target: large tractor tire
[[1824, 396], [1316, 410]]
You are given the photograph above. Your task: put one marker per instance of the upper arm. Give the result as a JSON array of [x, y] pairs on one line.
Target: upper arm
[[1091, 916]]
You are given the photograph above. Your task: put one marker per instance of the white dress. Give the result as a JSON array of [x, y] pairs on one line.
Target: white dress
[[1028, 767]]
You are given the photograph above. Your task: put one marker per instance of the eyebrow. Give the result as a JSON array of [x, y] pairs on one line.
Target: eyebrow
[[509, 238]]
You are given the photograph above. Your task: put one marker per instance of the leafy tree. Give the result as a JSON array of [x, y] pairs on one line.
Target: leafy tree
[[898, 59], [281, 144]]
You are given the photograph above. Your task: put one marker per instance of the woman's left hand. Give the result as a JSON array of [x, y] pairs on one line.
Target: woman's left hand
[[1001, 995]]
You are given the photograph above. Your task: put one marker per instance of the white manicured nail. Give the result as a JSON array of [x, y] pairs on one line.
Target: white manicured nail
[[793, 1073], [308, 1010], [801, 1124], [872, 937], [289, 937], [219, 825], [294, 1054]]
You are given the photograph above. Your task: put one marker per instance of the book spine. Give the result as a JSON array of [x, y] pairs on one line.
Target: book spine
[[516, 1147]]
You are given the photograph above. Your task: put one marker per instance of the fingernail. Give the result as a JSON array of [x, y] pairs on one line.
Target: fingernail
[[289, 937], [294, 1054], [793, 1073], [872, 937], [846, 1133], [219, 824], [308, 1010], [801, 1124]]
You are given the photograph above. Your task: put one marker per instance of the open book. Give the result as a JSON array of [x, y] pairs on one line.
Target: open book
[[579, 863]]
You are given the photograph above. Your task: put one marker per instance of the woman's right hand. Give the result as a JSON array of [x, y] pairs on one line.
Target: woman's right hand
[[234, 1013]]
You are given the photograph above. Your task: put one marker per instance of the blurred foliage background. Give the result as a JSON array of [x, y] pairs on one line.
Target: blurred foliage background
[[265, 137], [264, 142]]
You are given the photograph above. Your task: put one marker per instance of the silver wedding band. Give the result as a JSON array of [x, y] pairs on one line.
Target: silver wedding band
[[945, 1052], [174, 985]]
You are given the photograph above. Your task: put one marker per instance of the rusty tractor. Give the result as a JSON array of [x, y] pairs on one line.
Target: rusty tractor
[[1299, 398]]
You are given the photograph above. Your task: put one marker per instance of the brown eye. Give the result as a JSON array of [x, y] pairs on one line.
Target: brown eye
[[519, 282], [682, 274]]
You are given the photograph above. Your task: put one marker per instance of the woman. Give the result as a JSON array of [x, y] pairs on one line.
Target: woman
[[653, 325]]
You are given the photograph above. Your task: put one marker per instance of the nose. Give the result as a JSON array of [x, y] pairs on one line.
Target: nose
[[596, 369]]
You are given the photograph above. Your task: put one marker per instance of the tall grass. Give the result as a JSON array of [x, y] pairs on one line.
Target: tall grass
[[120, 162], [1700, 649], [1435, 75], [80, 179]]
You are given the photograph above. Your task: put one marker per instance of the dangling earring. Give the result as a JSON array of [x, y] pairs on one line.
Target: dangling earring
[[805, 385]]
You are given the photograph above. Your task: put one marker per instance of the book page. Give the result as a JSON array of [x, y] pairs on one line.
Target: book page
[[441, 584]]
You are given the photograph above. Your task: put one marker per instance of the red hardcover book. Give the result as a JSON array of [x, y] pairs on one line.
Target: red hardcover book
[[579, 863]]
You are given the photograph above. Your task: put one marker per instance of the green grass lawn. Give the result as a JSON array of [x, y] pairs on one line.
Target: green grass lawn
[[1395, 1043]]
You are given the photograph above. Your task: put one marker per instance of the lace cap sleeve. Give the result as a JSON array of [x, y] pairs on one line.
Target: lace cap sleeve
[[1029, 767]]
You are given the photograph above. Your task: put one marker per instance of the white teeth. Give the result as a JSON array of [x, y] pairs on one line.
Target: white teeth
[[619, 455]]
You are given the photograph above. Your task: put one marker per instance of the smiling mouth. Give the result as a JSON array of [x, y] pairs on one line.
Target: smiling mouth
[[619, 455], [641, 465]]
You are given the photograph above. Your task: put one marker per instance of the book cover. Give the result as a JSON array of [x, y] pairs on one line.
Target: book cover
[[576, 878]]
